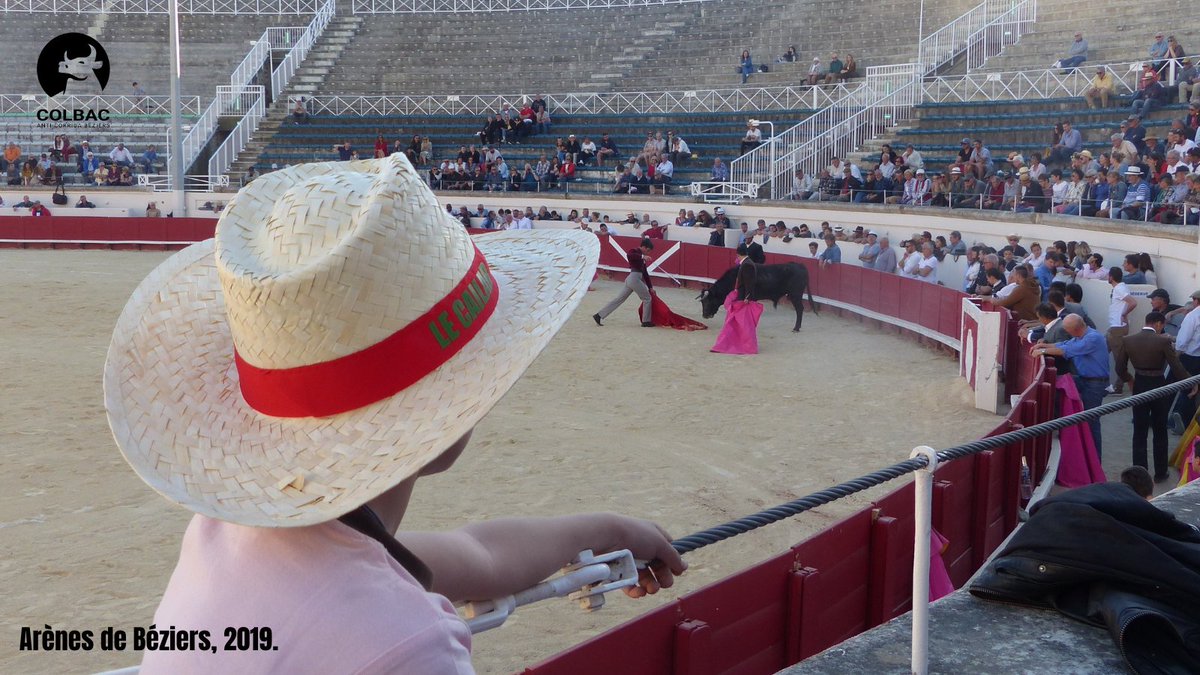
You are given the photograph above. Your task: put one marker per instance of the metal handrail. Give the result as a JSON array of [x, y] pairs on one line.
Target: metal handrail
[[114, 103], [282, 75], [162, 183], [454, 6], [1028, 84], [223, 157], [980, 33]]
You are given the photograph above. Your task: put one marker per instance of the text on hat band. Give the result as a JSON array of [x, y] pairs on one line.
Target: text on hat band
[[383, 369]]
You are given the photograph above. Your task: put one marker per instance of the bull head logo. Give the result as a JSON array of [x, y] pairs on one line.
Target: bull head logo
[[72, 57], [80, 69]]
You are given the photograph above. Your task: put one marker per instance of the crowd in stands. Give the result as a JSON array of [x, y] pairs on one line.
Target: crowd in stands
[[1140, 178], [838, 70], [118, 167]]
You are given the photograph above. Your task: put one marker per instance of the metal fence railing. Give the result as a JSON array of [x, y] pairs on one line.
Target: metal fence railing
[[232, 7], [1035, 83], [13, 104], [223, 157], [595, 103], [298, 51]]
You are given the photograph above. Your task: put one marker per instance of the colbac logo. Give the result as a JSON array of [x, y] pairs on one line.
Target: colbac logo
[[70, 62]]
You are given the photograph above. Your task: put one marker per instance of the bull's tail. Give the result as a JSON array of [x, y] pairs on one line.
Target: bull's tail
[[812, 305]]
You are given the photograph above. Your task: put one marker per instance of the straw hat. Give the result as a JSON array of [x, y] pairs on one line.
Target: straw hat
[[371, 333]]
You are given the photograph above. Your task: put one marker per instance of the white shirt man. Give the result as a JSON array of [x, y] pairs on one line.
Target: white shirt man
[[927, 266], [665, 168], [523, 224], [753, 135], [121, 154], [1188, 340], [908, 266], [588, 147], [836, 169], [802, 183], [1118, 308], [971, 273]]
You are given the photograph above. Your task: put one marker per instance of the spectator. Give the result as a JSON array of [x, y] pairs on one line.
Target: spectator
[[426, 154], [831, 254], [608, 148], [38, 211], [802, 186], [885, 260], [835, 69], [1174, 54], [11, 160], [1187, 343], [790, 56], [1070, 143], [345, 150], [720, 172], [912, 159], [83, 203], [1025, 295], [814, 72], [1157, 51], [679, 151], [717, 236], [573, 148], [1132, 273], [1073, 195], [1137, 195], [587, 152], [152, 211], [1138, 479], [1076, 54], [121, 156], [28, 172], [849, 68], [927, 266], [300, 112], [849, 186], [1151, 93], [663, 173], [88, 168], [149, 159], [1089, 359], [1125, 147], [980, 160], [1033, 198], [752, 139], [1119, 307], [746, 65], [877, 188], [1135, 133], [1189, 77], [870, 251]]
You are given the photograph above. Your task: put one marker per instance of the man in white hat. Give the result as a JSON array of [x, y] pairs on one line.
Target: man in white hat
[[870, 250], [1137, 194], [291, 380]]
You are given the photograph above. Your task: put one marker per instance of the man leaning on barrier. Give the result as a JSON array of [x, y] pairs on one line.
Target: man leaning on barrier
[[1088, 353]]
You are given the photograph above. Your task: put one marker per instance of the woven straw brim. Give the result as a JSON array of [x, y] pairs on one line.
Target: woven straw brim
[[173, 402]]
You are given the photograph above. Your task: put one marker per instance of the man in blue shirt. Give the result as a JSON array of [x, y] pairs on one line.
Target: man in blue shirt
[[1070, 143], [1047, 271], [1087, 350], [831, 254]]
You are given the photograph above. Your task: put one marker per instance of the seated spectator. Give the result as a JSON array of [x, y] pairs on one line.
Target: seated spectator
[[1131, 273], [746, 65], [43, 165], [152, 210], [720, 172], [970, 193], [1188, 78], [941, 187], [916, 190], [83, 203], [149, 159], [587, 152], [300, 112], [52, 175], [814, 72], [678, 150], [1157, 51], [849, 187], [790, 56], [1151, 93], [752, 139], [426, 154], [124, 177], [1137, 196], [877, 187], [1070, 143], [664, 171], [1076, 54], [1102, 88], [121, 156], [1073, 194], [1173, 56], [827, 187], [573, 149], [607, 148], [61, 150], [38, 211], [849, 68], [10, 162], [802, 186], [25, 203], [835, 69], [28, 172]]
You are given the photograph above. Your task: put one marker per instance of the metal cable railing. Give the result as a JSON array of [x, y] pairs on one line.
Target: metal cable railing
[[754, 521]]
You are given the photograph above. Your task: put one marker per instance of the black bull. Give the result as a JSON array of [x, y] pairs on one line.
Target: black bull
[[773, 282]]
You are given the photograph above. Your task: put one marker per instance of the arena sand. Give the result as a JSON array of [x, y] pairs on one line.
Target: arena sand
[[620, 418]]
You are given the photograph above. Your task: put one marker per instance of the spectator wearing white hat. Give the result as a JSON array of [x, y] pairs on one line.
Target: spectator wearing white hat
[[870, 251], [309, 444], [1137, 194]]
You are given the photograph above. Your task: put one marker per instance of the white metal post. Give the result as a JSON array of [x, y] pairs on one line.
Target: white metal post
[[922, 533], [176, 168]]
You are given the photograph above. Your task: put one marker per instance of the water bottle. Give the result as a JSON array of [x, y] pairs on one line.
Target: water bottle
[[1026, 481]]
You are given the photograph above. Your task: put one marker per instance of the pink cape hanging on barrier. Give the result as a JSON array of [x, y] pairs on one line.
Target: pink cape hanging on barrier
[[661, 315], [1078, 464], [939, 578], [739, 335]]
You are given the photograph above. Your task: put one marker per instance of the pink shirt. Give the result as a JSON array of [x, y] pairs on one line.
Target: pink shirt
[[334, 599]]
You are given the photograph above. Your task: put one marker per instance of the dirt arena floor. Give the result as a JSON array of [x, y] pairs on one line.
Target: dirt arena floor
[[621, 418]]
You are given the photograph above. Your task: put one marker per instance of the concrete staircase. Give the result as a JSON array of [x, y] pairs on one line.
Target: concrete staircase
[[312, 74]]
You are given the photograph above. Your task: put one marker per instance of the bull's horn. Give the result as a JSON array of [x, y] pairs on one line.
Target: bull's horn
[[92, 56], [66, 56]]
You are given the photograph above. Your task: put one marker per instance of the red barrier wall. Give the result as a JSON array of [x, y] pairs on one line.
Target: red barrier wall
[[111, 233], [858, 573]]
